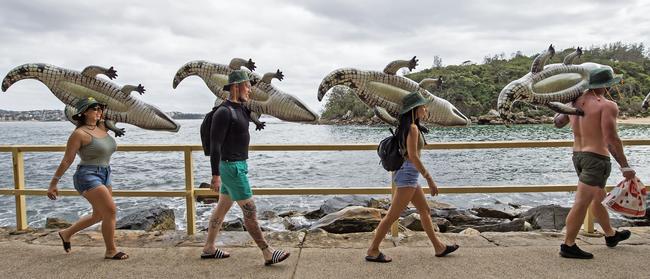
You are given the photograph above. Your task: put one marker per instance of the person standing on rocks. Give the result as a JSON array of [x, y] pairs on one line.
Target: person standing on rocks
[[93, 176], [228, 150], [410, 135], [595, 138]]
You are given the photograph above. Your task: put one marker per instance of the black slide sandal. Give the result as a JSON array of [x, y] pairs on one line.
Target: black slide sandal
[[66, 245], [381, 258], [449, 249]]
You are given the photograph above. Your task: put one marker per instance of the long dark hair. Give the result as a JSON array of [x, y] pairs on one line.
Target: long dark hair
[[404, 125]]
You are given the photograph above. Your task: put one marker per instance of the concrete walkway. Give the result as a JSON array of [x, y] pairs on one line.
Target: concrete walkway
[[38, 254]]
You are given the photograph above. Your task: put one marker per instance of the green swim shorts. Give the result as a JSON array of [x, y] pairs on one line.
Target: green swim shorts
[[592, 169], [234, 181]]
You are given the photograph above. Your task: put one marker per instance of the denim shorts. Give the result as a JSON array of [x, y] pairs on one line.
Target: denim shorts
[[88, 177], [406, 176]]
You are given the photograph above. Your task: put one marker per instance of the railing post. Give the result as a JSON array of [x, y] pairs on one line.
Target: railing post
[[19, 184], [394, 228], [190, 207], [588, 224]]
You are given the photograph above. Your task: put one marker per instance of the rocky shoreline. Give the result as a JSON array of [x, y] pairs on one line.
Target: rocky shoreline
[[358, 213], [491, 118]]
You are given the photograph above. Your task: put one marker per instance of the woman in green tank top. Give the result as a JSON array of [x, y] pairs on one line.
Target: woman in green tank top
[[92, 179]]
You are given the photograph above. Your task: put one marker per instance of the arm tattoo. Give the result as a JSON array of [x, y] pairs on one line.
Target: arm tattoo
[[619, 157], [253, 228]]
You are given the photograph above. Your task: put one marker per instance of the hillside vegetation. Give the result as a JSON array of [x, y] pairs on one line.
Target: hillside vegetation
[[473, 88]]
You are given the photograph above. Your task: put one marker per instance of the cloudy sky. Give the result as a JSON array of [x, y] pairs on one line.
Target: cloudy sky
[[147, 41]]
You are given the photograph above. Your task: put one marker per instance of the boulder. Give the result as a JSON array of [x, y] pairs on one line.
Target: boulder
[[296, 223], [414, 223], [470, 231], [151, 219], [515, 225], [268, 215], [233, 225], [547, 217], [379, 203], [337, 203], [457, 217], [350, 220], [206, 200], [56, 223], [502, 211], [290, 213]]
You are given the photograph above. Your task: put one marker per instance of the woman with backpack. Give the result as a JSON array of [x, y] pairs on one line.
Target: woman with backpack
[[410, 135]]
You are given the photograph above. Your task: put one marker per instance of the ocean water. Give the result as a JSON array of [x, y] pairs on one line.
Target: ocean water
[[165, 171]]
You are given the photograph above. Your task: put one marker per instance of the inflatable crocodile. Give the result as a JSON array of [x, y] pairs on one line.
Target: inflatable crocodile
[[265, 98], [552, 85], [383, 92], [70, 86]]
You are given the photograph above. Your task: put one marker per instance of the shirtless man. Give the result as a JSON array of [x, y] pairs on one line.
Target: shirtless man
[[595, 137]]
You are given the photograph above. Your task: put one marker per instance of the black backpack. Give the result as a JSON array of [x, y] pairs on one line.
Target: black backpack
[[207, 124], [389, 152]]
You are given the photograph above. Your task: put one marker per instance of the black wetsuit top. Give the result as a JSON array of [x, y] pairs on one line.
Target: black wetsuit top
[[230, 137]]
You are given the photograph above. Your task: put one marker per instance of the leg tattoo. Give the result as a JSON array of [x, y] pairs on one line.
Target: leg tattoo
[[250, 222], [215, 223]]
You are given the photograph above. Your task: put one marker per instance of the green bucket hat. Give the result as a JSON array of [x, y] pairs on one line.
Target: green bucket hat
[[603, 77], [238, 76], [83, 104], [413, 100]]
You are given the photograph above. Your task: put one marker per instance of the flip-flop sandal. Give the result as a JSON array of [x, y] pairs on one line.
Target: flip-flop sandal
[[278, 256], [218, 254], [381, 258], [449, 249], [118, 256], [66, 245]]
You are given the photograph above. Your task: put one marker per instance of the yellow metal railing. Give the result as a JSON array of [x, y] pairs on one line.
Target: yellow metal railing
[[190, 192]]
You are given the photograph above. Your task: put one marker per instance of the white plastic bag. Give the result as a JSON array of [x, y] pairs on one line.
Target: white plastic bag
[[627, 198]]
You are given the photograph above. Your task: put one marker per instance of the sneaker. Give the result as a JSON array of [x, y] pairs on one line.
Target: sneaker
[[574, 252], [618, 236]]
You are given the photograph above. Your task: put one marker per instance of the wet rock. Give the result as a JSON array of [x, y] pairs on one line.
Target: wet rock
[[351, 219], [414, 223], [206, 200], [56, 223], [296, 223], [272, 225], [268, 215], [157, 218], [457, 217], [439, 205], [470, 231], [547, 217], [379, 203], [337, 203], [502, 211], [291, 213], [516, 225], [233, 225]]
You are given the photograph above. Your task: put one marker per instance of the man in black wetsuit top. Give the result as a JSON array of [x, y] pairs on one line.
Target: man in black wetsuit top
[[229, 140]]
